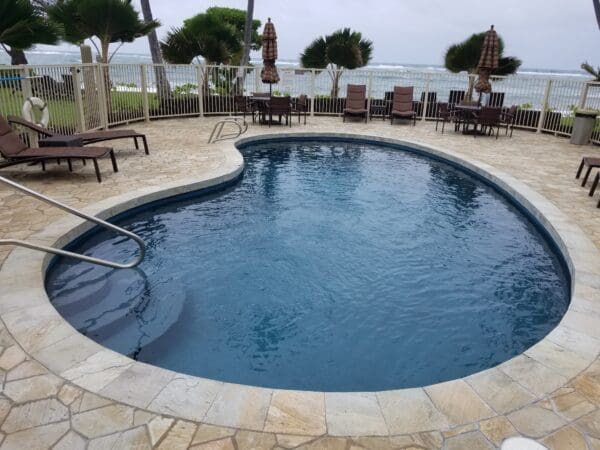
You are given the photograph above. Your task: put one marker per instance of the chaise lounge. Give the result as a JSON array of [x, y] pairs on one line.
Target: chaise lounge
[[89, 137], [15, 151], [402, 106], [356, 100]]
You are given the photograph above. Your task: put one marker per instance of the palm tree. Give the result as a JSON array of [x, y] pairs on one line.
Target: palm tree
[[343, 49], [590, 69], [162, 82], [241, 76], [597, 10], [22, 25], [107, 21], [465, 56]]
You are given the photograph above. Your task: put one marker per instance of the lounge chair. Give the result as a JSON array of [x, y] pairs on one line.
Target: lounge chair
[[591, 162], [402, 106], [89, 137], [280, 106], [356, 101], [15, 151]]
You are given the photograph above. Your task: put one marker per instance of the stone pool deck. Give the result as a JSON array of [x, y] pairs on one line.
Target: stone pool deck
[[551, 393]]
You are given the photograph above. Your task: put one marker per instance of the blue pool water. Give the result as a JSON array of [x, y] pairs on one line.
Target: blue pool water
[[330, 266]]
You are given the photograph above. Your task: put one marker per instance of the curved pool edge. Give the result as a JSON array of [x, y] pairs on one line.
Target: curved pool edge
[[570, 348]]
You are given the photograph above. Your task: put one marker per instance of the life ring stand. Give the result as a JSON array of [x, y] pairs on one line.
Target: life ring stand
[[37, 103]]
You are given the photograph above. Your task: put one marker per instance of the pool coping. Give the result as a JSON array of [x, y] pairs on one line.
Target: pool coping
[[522, 381]]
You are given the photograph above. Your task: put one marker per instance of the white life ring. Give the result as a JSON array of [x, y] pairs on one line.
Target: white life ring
[[35, 102]]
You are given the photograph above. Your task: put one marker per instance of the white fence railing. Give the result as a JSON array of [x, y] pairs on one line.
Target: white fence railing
[[85, 97]]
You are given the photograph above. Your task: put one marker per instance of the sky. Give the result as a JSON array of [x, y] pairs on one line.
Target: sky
[[548, 34]]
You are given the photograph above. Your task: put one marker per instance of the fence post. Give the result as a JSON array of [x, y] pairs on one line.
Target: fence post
[[101, 85], [200, 89], [425, 100], [78, 99], [312, 92], [27, 91], [540, 124], [584, 94], [145, 103], [369, 87]]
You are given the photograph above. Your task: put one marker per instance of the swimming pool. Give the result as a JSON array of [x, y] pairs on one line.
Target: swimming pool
[[332, 265]]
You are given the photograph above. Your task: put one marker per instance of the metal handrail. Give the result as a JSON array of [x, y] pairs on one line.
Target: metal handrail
[[221, 124], [77, 213]]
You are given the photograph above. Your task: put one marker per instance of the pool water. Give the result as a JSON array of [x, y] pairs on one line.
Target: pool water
[[330, 266]]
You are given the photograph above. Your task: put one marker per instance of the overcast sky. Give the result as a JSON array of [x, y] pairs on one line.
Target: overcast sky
[[553, 34]]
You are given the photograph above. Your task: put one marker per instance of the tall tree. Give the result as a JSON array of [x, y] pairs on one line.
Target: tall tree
[[107, 21], [241, 76], [22, 25], [343, 49], [465, 56], [162, 82]]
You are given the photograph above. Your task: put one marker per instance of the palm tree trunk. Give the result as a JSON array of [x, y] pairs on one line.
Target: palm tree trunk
[[597, 10], [162, 82], [241, 76], [17, 56]]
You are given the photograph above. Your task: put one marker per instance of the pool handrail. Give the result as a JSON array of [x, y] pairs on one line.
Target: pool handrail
[[60, 252]]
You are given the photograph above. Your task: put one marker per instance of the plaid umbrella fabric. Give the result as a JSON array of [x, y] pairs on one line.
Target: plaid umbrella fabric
[[269, 72], [488, 61]]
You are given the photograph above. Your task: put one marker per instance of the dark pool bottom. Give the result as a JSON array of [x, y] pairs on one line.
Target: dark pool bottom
[[330, 266]]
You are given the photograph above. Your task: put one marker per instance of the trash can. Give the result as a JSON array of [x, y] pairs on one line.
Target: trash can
[[583, 127]]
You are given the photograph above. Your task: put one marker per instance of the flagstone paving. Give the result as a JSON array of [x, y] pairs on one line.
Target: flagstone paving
[[41, 409]]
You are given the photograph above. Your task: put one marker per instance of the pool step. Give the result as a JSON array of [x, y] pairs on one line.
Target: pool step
[[99, 310]]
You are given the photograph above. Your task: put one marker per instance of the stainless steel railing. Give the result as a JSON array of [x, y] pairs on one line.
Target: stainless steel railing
[[217, 132], [56, 251]]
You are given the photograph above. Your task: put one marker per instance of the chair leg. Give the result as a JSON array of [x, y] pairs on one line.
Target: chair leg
[[70, 164], [305, 117], [43, 165], [135, 142], [97, 169], [580, 168], [436, 123], [594, 185], [113, 160], [443, 125], [587, 174]]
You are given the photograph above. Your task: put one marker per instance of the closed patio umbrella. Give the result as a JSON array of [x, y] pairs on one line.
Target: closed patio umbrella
[[269, 73], [488, 61]]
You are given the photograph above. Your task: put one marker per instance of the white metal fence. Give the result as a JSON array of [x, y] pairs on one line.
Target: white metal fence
[[84, 97]]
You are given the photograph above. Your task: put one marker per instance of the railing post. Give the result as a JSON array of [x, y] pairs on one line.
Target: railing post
[[369, 87], [101, 86], [145, 103], [200, 89], [313, 76], [425, 100], [78, 99], [545, 101], [27, 91], [584, 93]]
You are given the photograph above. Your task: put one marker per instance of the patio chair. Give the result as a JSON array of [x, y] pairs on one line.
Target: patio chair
[[507, 118], [301, 107], [15, 151], [455, 97], [243, 106], [591, 162], [88, 137], [444, 114], [282, 107], [488, 118], [402, 105], [356, 101]]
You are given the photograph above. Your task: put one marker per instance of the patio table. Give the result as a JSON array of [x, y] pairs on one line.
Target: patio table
[[468, 112]]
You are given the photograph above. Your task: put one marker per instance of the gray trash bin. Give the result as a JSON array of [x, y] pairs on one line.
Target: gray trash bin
[[583, 127]]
